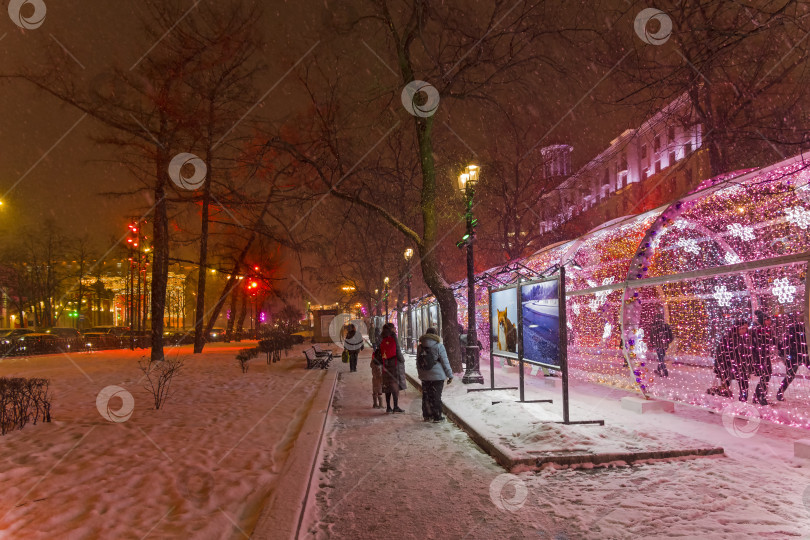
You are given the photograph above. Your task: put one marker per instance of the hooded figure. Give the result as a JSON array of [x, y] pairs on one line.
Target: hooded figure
[[431, 350], [392, 363], [762, 339], [660, 338], [732, 360], [795, 352]]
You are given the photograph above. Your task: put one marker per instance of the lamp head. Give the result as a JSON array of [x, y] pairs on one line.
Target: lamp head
[[463, 178], [473, 172]]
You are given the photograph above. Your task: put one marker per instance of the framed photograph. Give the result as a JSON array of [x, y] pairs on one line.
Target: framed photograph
[[503, 320], [540, 314]]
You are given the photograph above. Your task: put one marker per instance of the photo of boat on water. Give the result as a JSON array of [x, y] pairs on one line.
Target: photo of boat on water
[[541, 322]]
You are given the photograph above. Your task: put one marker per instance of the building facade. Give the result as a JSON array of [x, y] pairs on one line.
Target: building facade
[[641, 169]]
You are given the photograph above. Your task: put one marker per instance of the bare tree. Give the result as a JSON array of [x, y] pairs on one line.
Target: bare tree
[[467, 54], [738, 63]]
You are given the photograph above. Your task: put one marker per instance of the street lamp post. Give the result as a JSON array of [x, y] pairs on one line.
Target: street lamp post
[[409, 326], [385, 295], [466, 183]]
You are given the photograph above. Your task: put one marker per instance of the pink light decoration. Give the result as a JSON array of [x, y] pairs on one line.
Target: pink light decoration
[[679, 261]]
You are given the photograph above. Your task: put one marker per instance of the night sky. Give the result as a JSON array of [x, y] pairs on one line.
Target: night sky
[[49, 166]]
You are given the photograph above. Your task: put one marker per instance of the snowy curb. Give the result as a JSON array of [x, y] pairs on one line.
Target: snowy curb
[[509, 460], [284, 511]]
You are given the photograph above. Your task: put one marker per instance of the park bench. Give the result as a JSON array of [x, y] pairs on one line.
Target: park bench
[[313, 360], [321, 353]]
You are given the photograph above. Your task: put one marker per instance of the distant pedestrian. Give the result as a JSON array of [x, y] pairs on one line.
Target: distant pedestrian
[[763, 340], [376, 381], [433, 368], [733, 360], [393, 367], [377, 335], [353, 343], [660, 338], [462, 338], [795, 349]]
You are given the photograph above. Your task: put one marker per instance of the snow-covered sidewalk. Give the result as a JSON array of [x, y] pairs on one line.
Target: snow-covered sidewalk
[[393, 475], [203, 466]]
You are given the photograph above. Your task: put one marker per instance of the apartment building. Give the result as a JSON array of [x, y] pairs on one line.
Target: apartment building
[[641, 169]]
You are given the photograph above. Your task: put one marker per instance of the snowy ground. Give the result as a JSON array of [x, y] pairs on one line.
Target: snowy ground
[[201, 467], [393, 475], [204, 466]]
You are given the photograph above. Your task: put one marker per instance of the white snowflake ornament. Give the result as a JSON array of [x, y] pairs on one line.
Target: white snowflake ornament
[[783, 290], [743, 232], [722, 295]]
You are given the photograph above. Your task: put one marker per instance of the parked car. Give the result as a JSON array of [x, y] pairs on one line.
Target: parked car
[[63, 332], [179, 337], [114, 330], [216, 334], [9, 336], [95, 340], [38, 343]]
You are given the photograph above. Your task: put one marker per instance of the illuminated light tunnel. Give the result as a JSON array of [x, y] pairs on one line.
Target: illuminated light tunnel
[[738, 243]]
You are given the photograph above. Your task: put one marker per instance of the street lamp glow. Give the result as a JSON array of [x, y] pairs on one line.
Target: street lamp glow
[[408, 254], [462, 181], [472, 171]]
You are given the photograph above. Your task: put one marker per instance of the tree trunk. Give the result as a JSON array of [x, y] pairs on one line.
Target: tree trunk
[[160, 262], [243, 313], [232, 314], [428, 249]]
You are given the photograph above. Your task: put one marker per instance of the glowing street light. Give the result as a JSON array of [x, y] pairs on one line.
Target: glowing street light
[[409, 327], [466, 183]]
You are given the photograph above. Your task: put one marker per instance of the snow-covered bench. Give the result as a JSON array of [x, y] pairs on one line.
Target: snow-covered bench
[[315, 360]]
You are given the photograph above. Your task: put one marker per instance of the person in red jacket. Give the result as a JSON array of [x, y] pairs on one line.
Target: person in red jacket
[[393, 367]]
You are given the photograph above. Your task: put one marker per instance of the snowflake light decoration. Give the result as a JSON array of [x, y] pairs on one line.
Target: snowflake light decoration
[[783, 290], [722, 295], [732, 258], [681, 224], [599, 298], [798, 216], [803, 192], [607, 331], [743, 232], [640, 346], [689, 244]]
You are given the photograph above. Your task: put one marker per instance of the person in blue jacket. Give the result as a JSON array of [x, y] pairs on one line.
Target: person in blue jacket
[[433, 368]]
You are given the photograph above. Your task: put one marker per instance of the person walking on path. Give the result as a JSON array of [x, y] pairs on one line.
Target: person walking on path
[[660, 338], [354, 344], [393, 367], [795, 348], [433, 368], [763, 340]]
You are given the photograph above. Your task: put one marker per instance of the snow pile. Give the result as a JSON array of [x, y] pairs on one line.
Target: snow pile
[[201, 467]]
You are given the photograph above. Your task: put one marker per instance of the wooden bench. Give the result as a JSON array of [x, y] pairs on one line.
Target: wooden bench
[[314, 360], [321, 353]]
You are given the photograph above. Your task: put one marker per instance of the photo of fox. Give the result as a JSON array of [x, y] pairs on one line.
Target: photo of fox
[[507, 332]]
